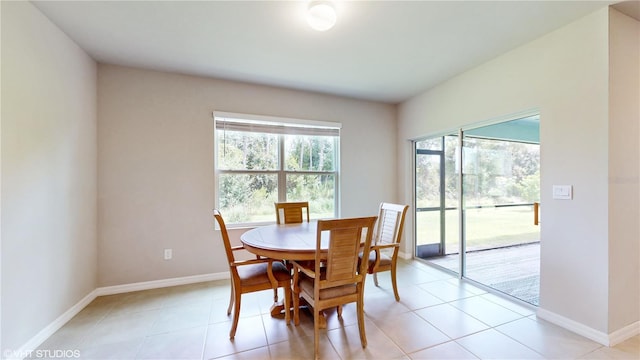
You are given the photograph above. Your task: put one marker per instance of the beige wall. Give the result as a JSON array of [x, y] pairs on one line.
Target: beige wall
[[155, 165], [624, 170], [565, 75], [48, 203]]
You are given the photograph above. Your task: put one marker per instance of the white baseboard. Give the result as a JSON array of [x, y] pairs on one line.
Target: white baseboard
[[625, 333], [28, 348], [156, 284], [605, 339], [572, 325]]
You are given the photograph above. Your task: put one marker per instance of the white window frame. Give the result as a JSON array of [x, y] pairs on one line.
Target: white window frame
[[282, 126]]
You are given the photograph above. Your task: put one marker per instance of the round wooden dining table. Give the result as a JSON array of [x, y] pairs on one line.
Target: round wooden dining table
[[286, 241]]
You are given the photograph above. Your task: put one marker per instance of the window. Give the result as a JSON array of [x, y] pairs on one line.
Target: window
[[260, 160]]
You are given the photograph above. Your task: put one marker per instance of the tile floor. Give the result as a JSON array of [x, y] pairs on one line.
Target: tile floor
[[438, 317]]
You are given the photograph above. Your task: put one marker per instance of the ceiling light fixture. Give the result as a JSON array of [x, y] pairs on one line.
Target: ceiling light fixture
[[321, 15]]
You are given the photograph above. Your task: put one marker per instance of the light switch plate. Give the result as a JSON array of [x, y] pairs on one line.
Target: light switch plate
[[562, 192]]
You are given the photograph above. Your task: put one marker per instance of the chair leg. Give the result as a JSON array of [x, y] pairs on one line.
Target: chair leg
[[236, 315], [375, 278], [275, 295], [296, 307], [230, 300], [360, 311], [393, 281], [339, 308], [316, 333], [287, 303]]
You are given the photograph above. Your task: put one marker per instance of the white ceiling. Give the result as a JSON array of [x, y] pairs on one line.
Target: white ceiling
[[379, 50]]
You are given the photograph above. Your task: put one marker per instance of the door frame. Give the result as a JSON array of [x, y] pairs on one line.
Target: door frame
[[441, 209]]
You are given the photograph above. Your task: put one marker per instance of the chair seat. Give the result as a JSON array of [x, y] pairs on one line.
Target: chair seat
[[306, 285], [257, 273]]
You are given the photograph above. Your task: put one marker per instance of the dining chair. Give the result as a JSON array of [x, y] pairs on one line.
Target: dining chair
[[252, 275], [291, 212], [386, 242], [340, 280]]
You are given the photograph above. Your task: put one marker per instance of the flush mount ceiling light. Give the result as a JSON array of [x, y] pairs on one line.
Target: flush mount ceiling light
[[321, 15]]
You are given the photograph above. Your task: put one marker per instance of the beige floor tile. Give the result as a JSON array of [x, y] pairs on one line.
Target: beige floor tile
[[220, 289], [548, 339], [433, 272], [511, 304], [411, 332], [451, 321], [124, 350], [249, 307], [72, 334], [187, 294], [277, 330], [491, 344], [605, 353], [181, 344], [449, 351], [305, 328], [106, 301], [140, 301], [349, 316], [486, 311], [347, 343], [410, 276], [119, 328], [257, 303], [384, 287], [446, 291], [629, 345], [249, 335], [218, 311], [182, 317], [467, 286], [99, 307], [301, 347], [253, 354], [627, 350], [414, 297], [381, 307]]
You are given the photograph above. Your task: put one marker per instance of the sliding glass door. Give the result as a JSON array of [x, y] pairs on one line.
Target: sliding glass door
[[500, 186], [500, 182]]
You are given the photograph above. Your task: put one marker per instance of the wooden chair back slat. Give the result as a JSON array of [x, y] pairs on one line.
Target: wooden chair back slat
[[292, 212]]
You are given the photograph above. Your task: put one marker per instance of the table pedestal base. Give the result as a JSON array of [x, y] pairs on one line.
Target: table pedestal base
[[277, 310]]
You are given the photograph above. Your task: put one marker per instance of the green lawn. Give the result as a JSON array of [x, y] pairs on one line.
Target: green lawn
[[485, 228]]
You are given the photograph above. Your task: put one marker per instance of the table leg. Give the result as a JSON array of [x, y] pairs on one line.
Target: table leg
[[278, 307]]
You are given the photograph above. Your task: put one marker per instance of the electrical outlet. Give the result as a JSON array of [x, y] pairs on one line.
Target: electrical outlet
[[168, 254]]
